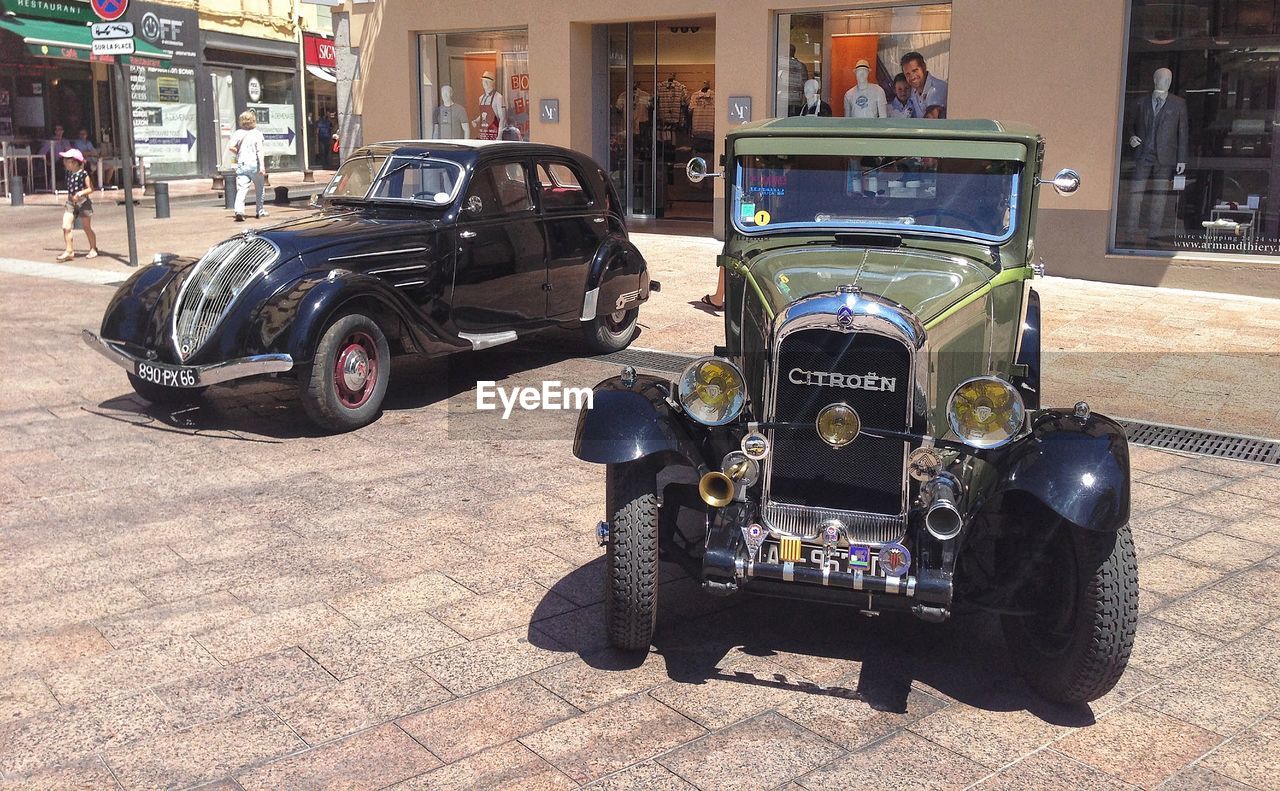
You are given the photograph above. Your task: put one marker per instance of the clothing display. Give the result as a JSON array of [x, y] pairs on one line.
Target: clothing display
[[673, 97], [815, 108], [492, 104], [640, 112], [865, 101], [1161, 124], [703, 106], [450, 121]]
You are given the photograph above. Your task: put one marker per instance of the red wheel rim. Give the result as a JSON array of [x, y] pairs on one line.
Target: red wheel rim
[[355, 372]]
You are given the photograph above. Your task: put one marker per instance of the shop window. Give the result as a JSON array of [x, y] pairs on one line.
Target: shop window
[[864, 62], [561, 188], [1197, 167], [271, 97], [474, 85]]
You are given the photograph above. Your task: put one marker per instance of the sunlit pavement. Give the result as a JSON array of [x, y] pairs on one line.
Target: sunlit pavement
[[218, 593]]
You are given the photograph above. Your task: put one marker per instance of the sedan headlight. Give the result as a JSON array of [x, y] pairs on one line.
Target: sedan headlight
[[712, 391], [985, 412]]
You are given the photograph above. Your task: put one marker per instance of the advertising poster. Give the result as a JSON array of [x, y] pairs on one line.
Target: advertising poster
[[6, 112], [164, 132], [275, 122], [515, 70]]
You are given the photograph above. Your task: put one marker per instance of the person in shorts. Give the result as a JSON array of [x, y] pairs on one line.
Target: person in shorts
[[79, 206]]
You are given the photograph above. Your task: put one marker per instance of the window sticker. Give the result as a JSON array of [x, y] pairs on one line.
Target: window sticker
[[748, 212], [762, 217]]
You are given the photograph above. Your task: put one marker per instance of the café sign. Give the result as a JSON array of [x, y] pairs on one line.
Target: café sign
[[64, 10]]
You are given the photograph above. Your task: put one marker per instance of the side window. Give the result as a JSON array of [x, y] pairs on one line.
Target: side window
[[503, 188], [561, 187]]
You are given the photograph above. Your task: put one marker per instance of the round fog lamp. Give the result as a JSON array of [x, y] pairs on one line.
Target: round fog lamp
[[712, 391], [985, 412], [838, 425]]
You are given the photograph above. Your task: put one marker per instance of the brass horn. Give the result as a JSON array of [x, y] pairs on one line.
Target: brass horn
[[717, 488]]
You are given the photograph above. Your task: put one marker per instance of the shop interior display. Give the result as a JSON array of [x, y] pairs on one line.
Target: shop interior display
[[865, 99], [449, 122], [1158, 133]]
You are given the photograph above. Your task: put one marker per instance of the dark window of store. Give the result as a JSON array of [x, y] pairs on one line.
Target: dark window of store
[[1198, 136]]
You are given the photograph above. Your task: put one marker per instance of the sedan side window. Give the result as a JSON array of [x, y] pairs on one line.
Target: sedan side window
[[561, 187], [503, 188]]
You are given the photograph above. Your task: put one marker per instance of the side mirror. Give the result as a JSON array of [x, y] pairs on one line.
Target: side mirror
[[314, 202], [696, 170], [1066, 182], [474, 205]]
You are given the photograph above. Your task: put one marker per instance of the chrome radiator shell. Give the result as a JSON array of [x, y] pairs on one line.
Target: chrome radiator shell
[[212, 287]]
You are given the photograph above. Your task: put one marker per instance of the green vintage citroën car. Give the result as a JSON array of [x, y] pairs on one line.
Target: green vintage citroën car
[[871, 433]]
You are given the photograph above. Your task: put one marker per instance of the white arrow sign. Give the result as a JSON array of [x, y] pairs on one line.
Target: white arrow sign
[[113, 46], [107, 30]]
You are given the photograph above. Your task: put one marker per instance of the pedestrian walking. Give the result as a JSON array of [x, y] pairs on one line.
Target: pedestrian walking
[[247, 144], [79, 207]]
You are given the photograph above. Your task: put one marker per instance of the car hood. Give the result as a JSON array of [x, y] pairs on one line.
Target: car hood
[[925, 282], [347, 226]]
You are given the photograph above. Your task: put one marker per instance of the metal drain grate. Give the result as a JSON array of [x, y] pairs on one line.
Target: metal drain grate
[[1204, 443], [649, 360]]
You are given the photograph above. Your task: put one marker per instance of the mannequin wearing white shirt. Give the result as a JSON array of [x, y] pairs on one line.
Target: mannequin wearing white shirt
[[866, 99]]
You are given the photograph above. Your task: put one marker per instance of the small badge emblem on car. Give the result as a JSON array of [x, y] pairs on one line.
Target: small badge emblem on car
[[844, 316]]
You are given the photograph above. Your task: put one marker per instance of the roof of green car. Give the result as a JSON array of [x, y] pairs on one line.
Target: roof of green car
[[958, 129]]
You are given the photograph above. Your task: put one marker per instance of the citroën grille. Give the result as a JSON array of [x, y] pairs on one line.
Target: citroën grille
[[212, 288], [864, 477]]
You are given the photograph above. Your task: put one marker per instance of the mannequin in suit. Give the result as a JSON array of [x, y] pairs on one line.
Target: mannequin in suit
[[1158, 134]]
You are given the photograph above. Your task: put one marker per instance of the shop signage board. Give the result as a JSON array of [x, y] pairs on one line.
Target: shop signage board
[[62, 10], [164, 131], [113, 46], [275, 122], [550, 113], [319, 51], [739, 109]]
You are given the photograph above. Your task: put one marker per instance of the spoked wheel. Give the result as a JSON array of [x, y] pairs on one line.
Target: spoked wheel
[[348, 378], [612, 332], [1075, 645]]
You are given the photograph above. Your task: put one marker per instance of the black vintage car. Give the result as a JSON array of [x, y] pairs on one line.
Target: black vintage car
[[420, 246], [871, 433]]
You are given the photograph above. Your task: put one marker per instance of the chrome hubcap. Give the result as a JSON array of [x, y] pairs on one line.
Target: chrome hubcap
[[355, 369]]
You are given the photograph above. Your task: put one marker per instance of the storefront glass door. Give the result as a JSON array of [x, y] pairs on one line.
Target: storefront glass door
[[661, 113], [224, 113]]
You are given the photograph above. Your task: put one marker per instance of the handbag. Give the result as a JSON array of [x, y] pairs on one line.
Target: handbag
[[335, 147]]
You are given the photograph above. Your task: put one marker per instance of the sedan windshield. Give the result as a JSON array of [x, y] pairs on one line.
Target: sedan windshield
[[968, 197], [399, 178]]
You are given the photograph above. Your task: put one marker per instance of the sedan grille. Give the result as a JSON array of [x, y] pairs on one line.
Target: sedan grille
[[212, 287], [864, 479]]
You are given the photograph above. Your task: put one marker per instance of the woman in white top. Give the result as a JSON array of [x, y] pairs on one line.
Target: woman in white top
[[247, 144]]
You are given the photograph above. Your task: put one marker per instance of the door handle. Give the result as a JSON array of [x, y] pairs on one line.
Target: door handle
[[467, 234]]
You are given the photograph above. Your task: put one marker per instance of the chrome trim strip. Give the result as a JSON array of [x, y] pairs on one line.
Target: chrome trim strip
[[589, 301], [872, 314], [411, 283], [789, 571], [488, 339], [211, 374], [391, 269], [805, 522], [378, 253], [893, 584]]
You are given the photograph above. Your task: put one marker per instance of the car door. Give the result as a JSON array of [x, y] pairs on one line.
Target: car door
[[574, 224], [499, 272]]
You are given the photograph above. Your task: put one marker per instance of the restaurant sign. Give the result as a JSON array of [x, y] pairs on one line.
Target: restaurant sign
[[64, 10]]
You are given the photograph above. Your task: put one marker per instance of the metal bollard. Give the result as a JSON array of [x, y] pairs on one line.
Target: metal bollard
[[229, 189], [162, 199], [15, 191]]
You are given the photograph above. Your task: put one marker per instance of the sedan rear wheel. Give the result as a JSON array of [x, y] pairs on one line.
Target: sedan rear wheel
[[349, 375], [612, 332]]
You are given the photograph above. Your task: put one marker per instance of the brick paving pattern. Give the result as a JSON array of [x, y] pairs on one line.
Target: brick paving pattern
[[218, 595]]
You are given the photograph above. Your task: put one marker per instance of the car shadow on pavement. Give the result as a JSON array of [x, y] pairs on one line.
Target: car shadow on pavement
[[269, 410], [813, 649]]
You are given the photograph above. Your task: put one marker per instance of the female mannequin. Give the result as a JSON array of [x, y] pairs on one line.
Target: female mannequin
[[493, 110]]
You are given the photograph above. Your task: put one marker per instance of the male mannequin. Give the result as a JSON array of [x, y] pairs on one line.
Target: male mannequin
[[813, 104], [866, 99], [449, 122], [493, 110], [1158, 133]]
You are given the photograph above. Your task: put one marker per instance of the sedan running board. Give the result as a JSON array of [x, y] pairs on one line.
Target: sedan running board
[[487, 339]]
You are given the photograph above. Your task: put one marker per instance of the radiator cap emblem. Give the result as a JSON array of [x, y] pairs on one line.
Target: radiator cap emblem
[[895, 560], [844, 316]]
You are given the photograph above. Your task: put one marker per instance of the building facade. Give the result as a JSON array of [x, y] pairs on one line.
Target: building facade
[[1166, 107]]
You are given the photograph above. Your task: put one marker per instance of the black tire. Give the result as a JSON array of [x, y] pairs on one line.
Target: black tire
[[1076, 648], [165, 396], [631, 559], [611, 332], [331, 401]]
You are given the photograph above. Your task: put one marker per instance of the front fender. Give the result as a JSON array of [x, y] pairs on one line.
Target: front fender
[[1078, 468], [626, 423], [294, 319], [139, 313]]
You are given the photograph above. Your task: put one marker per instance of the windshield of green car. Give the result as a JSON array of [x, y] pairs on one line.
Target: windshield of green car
[[408, 178], [974, 198]]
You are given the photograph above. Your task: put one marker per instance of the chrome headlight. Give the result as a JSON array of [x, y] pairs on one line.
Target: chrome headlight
[[985, 412], [712, 391]]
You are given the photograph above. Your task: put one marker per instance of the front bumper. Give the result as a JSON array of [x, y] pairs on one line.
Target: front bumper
[[212, 374]]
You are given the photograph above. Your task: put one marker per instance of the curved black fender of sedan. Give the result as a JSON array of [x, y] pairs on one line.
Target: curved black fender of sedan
[[419, 247]]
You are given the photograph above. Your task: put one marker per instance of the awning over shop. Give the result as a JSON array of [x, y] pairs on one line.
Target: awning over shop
[[49, 39], [328, 75]]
